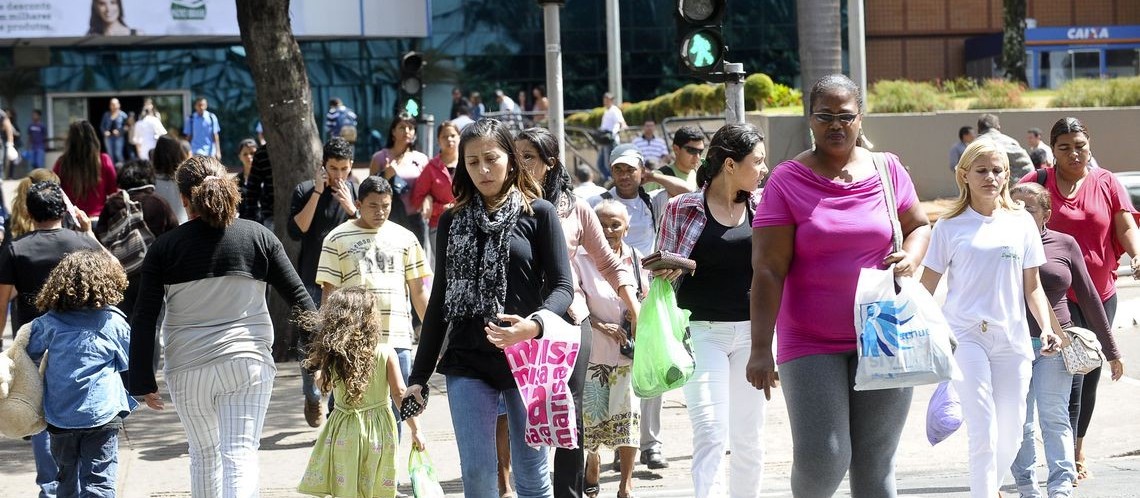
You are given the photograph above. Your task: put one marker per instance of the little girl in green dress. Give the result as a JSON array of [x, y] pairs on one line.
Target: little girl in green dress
[[355, 453]]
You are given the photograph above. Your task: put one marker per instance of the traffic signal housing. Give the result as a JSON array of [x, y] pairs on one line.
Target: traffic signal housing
[[411, 85], [700, 43]]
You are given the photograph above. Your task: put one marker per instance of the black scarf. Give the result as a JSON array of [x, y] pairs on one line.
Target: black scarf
[[477, 281]]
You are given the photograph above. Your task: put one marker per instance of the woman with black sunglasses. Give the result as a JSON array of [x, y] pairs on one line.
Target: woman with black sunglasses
[[803, 285]]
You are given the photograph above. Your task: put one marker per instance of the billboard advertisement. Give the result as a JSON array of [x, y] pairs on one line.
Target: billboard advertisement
[[155, 20]]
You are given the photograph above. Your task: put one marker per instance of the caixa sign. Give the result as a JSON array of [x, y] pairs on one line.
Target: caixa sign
[[1093, 33]]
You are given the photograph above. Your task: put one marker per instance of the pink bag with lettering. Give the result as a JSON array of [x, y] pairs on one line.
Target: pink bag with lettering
[[542, 368]]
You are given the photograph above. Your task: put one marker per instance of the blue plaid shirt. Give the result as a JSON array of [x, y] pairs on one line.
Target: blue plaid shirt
[[88, 349]]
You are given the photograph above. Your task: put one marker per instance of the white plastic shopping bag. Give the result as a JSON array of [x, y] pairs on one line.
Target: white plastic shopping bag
[[903, 338]]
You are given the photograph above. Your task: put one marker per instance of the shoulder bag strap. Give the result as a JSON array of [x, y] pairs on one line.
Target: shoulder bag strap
[[636, 271], [880, 161]]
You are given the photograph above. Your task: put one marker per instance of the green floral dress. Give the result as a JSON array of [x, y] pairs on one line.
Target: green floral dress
[[355, 454]]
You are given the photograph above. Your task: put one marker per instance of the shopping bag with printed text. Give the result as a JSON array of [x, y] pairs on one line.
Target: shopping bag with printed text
[[902, 337]]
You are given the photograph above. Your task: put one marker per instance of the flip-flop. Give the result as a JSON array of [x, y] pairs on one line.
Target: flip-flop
[[592, 489], [1082, 472]]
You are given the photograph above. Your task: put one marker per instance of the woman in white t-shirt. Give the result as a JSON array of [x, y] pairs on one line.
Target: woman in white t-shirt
[[146, 131], [991, 251]]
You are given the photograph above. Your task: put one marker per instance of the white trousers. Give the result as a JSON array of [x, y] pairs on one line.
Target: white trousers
[[996, 372], [723, 406], [222, 408]]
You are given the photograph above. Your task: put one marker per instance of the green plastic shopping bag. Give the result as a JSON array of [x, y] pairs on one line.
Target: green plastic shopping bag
[[664, 359], [422, 474]]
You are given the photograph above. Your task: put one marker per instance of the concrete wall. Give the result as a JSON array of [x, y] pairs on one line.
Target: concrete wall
[[923, 141]]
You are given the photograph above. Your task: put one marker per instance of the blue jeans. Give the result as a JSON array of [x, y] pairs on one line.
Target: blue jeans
[[34, 158], [308, 387], [88, 460], [115, 148], [46, 469], [474, 412], [1049, 391]]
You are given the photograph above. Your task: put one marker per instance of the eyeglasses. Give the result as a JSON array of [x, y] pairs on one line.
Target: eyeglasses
[[827, 118], [693, 150]]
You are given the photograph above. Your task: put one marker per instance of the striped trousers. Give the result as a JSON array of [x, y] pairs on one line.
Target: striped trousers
[[222, 408]]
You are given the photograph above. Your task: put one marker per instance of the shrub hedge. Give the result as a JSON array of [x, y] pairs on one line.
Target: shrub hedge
[[1115, 92], [999, 94], [696, 99], [897, 96]]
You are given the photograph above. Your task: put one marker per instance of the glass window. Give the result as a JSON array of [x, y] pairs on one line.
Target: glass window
[[1086, 64], [1122, 62]]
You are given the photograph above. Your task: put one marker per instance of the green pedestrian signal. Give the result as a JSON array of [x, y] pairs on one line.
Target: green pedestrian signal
[[412, 107], [699, 40], [411, 85]]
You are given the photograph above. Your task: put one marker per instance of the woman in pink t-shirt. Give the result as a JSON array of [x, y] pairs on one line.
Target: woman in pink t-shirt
[[822, 218], [402, 159], [1092, 206]]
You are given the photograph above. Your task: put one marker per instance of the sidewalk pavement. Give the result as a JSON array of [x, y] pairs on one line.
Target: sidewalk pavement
[[154, 462]]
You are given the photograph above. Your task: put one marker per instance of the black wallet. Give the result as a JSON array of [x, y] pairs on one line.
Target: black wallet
[[409, 407]]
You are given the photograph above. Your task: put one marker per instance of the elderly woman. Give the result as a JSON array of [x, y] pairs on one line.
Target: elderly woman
[[1091, 205], [711, 226], [610, 410], [211, 273], [831, 192]]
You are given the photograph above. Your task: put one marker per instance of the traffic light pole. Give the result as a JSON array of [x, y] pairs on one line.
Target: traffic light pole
[[556, 118], [734, 92]]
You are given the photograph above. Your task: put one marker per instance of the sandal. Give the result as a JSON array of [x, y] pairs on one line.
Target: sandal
[[1082, 472], [592, 489]]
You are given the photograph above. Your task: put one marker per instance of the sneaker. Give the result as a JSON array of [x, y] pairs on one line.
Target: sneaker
[[313, 413], [654, 460]]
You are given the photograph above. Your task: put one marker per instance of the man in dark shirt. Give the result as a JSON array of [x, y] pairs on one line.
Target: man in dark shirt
[[24, 267], [318, 206]]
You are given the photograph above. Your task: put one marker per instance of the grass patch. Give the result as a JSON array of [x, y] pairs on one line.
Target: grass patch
[[897, 96]]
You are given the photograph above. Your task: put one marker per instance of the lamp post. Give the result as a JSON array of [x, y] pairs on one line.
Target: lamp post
[[552, 25]]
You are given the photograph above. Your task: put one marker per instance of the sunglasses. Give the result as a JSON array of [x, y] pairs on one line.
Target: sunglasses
[[826, 117], [693, 150]]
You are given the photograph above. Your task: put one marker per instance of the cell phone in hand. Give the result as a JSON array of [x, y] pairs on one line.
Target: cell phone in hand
[[409, 407]]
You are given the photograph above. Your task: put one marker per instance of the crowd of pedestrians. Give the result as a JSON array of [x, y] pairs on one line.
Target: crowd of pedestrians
[[476, 249]]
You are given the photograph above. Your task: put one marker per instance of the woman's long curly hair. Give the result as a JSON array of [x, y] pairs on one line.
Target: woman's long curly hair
[[85, 279], [21, 222], [346, 332]]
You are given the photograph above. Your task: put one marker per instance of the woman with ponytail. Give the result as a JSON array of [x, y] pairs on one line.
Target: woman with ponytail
[[212, 273], [711, 227]]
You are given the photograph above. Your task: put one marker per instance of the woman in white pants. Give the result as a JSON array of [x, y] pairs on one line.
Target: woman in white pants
[[713, 227], [991, 250]]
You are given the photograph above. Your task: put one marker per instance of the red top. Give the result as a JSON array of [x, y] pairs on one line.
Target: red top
[[435, 181], [92, 202], [1088, 217]]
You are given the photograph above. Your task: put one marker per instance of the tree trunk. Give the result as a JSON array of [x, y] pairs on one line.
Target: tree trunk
[[1013, 41], [284, 101], [817, 22]]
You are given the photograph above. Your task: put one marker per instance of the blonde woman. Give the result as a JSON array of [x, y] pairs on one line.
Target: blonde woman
[[20, 222], [991, 251]]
